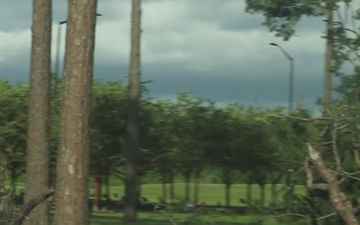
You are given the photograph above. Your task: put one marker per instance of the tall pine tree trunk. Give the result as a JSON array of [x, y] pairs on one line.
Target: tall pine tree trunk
[[72, 194], [37, 166], [132, 130]]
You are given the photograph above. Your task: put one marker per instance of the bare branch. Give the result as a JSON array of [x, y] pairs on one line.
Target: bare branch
[[30, 206], [305, 119], [338, 199]]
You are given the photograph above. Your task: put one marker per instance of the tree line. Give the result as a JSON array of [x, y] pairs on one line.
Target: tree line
[[179, 137]]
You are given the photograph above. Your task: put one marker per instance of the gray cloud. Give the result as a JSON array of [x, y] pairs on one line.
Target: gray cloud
[[209, 47]]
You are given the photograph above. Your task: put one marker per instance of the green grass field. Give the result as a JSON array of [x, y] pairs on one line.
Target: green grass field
[[210, 194], [189, 219]]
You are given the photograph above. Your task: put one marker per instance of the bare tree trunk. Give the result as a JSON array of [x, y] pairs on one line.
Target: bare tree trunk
[[338, 199], [227, 194], [196, 187], [72, 193], [97, 193], [107, 184], [187, 186], [172, 188], [37, 166], [328, 56], [249, 194], [139, 187], [132, 130], [273, 193], [164, 192], [274, 181], [262, 195]]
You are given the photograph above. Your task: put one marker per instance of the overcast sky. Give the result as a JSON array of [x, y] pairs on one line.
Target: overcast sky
[[209, 47]]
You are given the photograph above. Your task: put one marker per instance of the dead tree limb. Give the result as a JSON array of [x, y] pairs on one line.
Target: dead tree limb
[[338, 199], [30, 206]]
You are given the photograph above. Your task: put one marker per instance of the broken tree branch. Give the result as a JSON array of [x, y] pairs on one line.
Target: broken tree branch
[[338, 199], [30, 206]]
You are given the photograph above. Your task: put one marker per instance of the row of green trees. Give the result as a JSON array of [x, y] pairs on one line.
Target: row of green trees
[[180, 137]]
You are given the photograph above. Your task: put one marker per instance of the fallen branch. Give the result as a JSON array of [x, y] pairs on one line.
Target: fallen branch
[[338, 199], [30, 206]]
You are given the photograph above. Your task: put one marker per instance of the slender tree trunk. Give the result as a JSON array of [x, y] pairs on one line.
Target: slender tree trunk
[[187, 186], [274, 182], [107, 184], [37, 166], [164, 192], [13, 178], [249, 194], [262, 195], [196, 187], [72, 193], [172, 188], [97, 192], [227, 194], [273, 193], [139, 186], [328, 55], [132, 142]]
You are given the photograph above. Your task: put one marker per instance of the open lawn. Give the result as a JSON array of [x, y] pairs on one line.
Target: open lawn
[[210, 194], [179, 219]]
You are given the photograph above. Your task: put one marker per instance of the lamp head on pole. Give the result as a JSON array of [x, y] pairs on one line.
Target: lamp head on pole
[[65, 21]]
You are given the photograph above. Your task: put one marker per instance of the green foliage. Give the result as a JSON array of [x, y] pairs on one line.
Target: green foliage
[[107, 125], [282, 15], [13, 126]]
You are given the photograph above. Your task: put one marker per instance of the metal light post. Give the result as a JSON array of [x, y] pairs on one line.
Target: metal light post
[[291, 75], [58, 42]]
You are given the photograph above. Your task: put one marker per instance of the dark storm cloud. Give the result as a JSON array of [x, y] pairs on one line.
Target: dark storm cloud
[[209, 47]]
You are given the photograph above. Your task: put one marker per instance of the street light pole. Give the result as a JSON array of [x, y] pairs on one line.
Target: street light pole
[[58, 41], [291, 75]]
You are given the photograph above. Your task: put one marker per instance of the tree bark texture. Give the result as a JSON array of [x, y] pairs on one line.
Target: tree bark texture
[[73, 156], [132, 129], [37, 165]]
